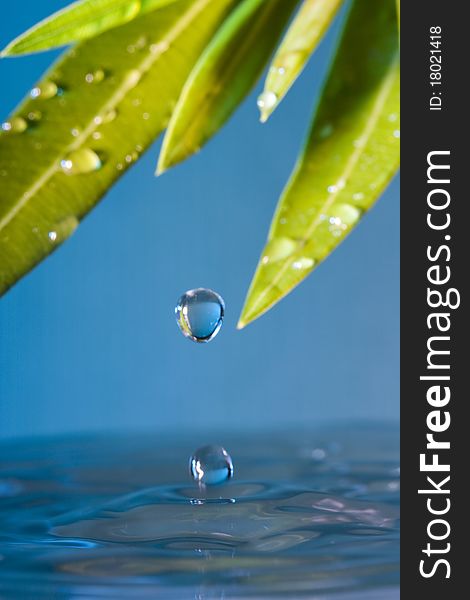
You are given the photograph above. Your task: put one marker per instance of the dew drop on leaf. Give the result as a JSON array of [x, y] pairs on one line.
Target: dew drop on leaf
[[277, 249], [34, 115], [266, 100], [199, 314], [63, 229], [81, 161], [302, 263], [95, 76], [15, 125], [47, 89]]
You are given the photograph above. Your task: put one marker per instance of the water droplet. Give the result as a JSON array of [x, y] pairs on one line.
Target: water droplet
[[109, 116], [266, 100], [277, 70], [75, 132], [392, 117], [211, 465], [199, 314], [35, 115], [303, 263], [95, 76], [132, 78], [47, 89], [332, 189], [81, 161], [145, 116], [119, 166], [160, 47], [15, 125], [63, 229], [358, 196], [141, 42], [96, 135], [346, 213], [325, 131], [277, 249], [396, 133]]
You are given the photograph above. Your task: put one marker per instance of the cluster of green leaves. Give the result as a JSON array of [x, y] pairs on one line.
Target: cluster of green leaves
[[139, 67]]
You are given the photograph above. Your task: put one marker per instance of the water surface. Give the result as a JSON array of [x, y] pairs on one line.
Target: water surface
[[308, 515]]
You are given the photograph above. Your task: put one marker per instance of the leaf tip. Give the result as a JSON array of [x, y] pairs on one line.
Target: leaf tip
[[264, 116], [241, 324]]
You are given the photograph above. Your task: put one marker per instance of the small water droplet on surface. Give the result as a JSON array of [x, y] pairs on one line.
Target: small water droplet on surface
[[392, 117], [15, 125], [63, 229], [347, 214], [266, 100], [160, 47], [110, 116], [277, 249], [145, 116], [35, 115], [75, 132], [95, 76], [132, 78], [332, 189], [47, 89], [119, 166], [325, 131], [81, 161], [199, 314], [96, 135], [303, 263], [211, 465], [396, 133], [358, 196]]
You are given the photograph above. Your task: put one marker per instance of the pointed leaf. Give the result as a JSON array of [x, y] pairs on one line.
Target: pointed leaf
[[91, 117], [79, 21], [351, 154], [223, 76], [299, 43]]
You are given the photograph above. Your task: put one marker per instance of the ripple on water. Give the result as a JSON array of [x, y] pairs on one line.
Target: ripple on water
[[107, 515]]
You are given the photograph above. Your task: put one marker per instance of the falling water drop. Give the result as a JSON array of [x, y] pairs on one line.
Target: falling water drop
[[199, 314], [15, 125], [47, 89], [266, 100], [80, 161], [211, 465]]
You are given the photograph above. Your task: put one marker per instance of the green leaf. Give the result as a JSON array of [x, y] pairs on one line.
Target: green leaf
[[299, 43], [351, 155], [223, 76], [92, 116], [79, 21]]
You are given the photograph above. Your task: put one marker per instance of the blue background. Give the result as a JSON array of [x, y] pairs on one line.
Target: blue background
[[88, 340]]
